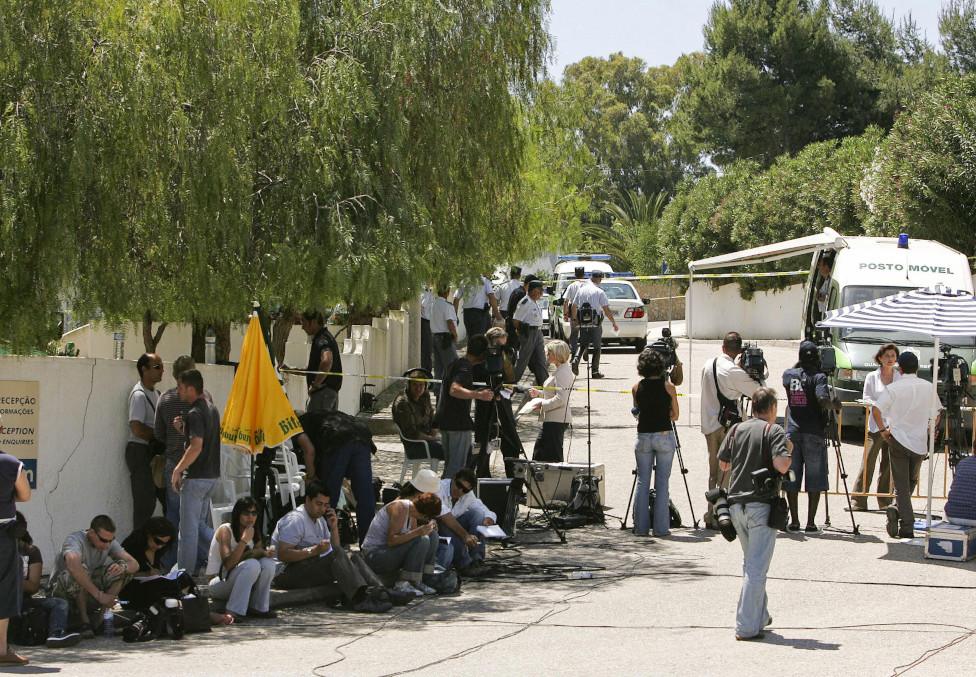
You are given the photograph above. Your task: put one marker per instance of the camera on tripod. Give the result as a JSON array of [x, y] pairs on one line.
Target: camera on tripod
[[953, 385], [667, 347], [587, 316], [753, 362], [719, 499], [953, 375]]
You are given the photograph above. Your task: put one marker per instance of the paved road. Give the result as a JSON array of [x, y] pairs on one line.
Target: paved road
[[840, 604]]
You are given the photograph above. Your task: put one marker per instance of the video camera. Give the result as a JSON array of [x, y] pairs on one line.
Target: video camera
[[667, 346], [953, 375], [753, 362], [587, 315]]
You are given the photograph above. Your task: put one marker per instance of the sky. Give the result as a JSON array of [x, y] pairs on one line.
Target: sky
[[659, 31]]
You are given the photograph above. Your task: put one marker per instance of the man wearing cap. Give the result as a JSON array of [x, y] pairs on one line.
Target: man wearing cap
[[513, 300], [591, 296], [808, 398], [906, 406], [506, 288], [414, 414], [478, 298], [527, 321], [569, 298]]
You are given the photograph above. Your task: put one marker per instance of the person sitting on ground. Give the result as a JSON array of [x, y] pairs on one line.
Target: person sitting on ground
[[402, 541], [413, 412], [55, 607], [307, 541], [242, 568], [90, 570], [462, 512], [960, 507], [149, 545]]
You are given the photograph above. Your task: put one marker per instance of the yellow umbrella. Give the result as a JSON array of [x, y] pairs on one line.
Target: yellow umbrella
[[258, 413]]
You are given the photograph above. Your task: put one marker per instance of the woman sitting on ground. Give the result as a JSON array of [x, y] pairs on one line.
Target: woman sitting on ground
[[148, 545], [402, 540], [657, 401], [241, 566]]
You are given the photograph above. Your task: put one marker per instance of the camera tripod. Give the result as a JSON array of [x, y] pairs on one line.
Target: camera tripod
[[684, 476], [584, 507], [832, 439]]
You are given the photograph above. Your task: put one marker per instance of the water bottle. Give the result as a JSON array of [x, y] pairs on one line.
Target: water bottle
[[108, 623], [175, 612]]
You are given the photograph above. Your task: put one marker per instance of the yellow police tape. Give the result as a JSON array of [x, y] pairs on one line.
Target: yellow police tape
[[437, 380]]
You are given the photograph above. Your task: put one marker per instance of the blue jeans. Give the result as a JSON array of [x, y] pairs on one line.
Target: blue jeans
[[57, 610], [195, 530], [351, 460], [461, 555], [172, 512], [757, 541], [653, 450], [410, 560], [247, 587]]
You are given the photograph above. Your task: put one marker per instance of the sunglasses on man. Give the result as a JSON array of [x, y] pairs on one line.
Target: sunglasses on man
[[465, 488]]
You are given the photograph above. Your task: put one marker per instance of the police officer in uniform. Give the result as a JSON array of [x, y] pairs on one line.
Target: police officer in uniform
[[569, 299], [528, 323], [478, 299], [505, 290], [592, 297], [426, 336]]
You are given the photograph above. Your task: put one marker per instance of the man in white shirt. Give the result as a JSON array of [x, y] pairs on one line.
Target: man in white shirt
[[426, 340], [506, 288], [143, 399], [906, 407], [443, 330], [478, 298], [569, 297], [591, 296], [462, 512], [722, 371], [528, 325]]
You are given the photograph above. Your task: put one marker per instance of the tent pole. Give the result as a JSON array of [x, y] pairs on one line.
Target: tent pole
[[935, 408], [690, 298]]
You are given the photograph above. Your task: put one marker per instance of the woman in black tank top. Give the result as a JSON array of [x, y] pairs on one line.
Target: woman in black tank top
[[656, 407]]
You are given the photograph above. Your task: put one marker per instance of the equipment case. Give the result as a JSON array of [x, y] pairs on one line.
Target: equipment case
[[954, 542]]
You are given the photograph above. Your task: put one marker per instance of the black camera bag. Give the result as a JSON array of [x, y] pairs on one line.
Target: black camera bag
[[728, 412]]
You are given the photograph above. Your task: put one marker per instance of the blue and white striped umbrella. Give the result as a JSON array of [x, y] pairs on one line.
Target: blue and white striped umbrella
[[937, 311]]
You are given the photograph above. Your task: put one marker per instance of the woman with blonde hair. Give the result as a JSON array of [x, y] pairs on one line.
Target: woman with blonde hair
[[554, 405]]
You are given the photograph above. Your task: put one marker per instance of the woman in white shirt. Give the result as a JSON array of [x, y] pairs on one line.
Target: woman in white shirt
[[875, 383], [554, 405], [242, 567]]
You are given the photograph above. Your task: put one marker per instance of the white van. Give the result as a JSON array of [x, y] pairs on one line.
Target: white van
[[865, 268]]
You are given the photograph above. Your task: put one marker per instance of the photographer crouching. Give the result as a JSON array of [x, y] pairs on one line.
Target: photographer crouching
[[756, 452]]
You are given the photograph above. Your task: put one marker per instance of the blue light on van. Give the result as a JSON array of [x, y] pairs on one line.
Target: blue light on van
[[583, 257], [903, 241]]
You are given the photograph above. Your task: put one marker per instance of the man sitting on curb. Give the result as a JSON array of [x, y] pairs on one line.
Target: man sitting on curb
[[307, 541], [461, 514], [90, 570]]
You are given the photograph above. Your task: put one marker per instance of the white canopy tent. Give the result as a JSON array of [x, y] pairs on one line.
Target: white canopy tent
[[939, 311]]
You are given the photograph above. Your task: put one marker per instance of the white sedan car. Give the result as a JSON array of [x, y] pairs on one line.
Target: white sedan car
[[628, 309]]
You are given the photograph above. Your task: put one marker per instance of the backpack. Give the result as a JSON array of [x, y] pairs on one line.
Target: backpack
[[30, 628]]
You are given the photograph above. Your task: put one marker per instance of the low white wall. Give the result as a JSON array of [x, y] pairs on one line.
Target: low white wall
[[711, 313]]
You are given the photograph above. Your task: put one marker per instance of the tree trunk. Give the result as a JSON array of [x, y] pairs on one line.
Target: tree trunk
[[279, 334], [149, 339], [222, 330], [198, 343]]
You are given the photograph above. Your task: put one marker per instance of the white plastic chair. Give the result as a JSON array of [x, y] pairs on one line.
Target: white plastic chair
[[220, 513], [291, 482], [415, 454]]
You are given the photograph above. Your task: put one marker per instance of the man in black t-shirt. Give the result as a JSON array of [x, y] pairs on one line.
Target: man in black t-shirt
[[453, 416], [197, 474], [323, 356]]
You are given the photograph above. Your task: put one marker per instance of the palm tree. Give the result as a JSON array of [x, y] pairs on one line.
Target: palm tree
[[631, 236]]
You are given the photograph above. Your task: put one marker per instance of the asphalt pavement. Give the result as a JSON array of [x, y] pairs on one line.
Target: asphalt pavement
[[841, 604]]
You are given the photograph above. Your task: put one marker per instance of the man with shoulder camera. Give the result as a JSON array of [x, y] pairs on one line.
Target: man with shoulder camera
[[723, 383], [808, 396], [589, 307], [755, 453]]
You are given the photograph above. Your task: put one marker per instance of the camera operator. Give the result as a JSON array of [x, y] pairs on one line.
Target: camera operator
[[593, 302], [722, 375], [453, 416], [569, 308], [528, 325], [808, 398], [668, 348], [496, 370], [757, 444]]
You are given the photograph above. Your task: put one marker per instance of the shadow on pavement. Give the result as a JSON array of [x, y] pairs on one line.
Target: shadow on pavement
[[799, 643], [908, 552]]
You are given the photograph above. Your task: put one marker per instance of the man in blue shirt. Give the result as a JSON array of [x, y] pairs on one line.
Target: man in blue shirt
[[808, 398]]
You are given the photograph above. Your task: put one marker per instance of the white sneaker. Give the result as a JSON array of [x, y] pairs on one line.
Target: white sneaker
[[425, 589], [404, 586]]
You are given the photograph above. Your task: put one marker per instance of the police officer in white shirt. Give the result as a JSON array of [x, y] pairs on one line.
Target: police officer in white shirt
[[443, 329], [506, 288], [528, 324], [426, 340], [478, 299], [593, 299], [569, 297]]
